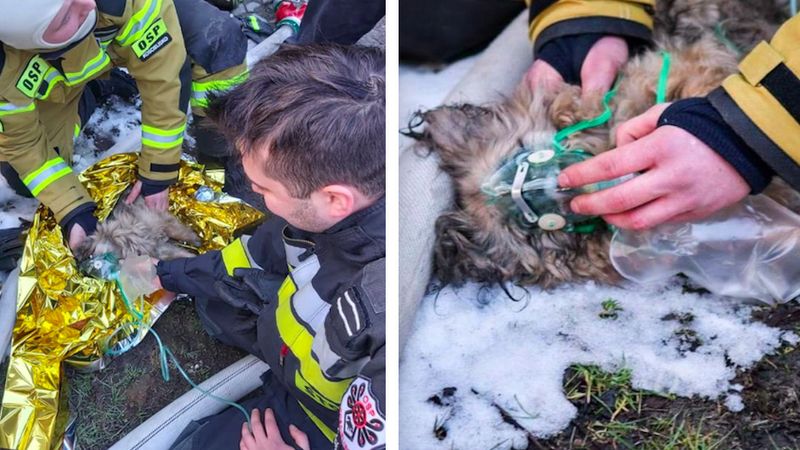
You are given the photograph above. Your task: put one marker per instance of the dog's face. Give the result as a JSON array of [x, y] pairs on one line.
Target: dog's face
[[483, 240]]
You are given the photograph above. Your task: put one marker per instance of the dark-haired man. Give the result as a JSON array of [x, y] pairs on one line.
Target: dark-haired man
[[306, 291]]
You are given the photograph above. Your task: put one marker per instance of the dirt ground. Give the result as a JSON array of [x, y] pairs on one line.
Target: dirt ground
[[612, 415]]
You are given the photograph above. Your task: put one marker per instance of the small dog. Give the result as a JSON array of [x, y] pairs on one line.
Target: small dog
[[136, 229], [478, 240]]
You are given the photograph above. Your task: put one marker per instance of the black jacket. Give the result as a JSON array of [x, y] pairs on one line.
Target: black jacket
[[323, 335]]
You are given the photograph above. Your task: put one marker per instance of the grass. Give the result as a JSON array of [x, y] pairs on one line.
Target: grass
[[106, 421], [611, 309], [660, 433]]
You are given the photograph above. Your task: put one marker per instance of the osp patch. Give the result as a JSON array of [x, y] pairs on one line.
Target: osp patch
[[153, 40]]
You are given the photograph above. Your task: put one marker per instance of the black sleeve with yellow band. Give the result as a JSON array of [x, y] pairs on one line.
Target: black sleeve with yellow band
[[150, 43], [762, 102], [196, 276], [552, 19]]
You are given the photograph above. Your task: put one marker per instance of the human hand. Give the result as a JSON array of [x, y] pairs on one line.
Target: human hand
[[682, 178], [598, 72], [266, 436], [158, 201]]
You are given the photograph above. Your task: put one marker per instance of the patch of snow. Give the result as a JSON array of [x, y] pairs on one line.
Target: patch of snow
[[791, 338], [497, 352], [734, 403], [114, 121]]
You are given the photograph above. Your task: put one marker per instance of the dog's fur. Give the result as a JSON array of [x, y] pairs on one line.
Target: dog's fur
[[134, 230], [477, 240]]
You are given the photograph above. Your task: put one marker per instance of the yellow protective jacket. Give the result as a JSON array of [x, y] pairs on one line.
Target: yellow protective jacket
[[762, 102], [551, 19], [39, 97]]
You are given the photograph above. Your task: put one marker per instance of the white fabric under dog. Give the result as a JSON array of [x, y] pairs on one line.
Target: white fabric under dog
[[425, 191]]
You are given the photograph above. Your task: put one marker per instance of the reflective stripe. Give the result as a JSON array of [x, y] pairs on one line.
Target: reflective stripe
[[163, 139], [52, 78], [300, 341], [91, 68], [254, 23], [200, 91], [77, 129], [139, 23], [234, 256], [330, 434], [331, 363], [44, 176], [7, 109]]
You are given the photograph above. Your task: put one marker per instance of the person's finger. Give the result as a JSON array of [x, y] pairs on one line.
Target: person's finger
[[602, 63], [270, 424], [623, 197], [300, 438], [258, 429], [632, 158], [647, 216], [137, 189], [640, 126], [689, 216], [543, 76], [247, 441]]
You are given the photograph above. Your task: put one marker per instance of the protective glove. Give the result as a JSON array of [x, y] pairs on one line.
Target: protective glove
[[152, 187], [249, 289], [137, 276], [83, 217]]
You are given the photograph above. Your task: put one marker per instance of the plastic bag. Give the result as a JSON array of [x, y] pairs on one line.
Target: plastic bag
[[137, 276], [750, 250]]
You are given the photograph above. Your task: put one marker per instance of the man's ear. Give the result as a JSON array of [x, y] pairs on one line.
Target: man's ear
[[340, 201]]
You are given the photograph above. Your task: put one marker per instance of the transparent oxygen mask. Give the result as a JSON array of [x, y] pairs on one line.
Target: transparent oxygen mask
[[526, 186]]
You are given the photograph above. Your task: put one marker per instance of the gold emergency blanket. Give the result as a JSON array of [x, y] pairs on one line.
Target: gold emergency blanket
[[64, 316]]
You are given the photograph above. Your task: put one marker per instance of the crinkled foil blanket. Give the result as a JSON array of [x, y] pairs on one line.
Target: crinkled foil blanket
[[66, 317]]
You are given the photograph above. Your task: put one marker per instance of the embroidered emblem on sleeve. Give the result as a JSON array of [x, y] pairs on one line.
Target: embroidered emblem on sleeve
[[361, 424], [153, 40]]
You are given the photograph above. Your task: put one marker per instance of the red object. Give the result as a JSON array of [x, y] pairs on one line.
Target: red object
[[290, 13], [284, 352]]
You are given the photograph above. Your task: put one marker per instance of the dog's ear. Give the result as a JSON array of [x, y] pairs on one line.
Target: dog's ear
[[452, 131], [458, 255]]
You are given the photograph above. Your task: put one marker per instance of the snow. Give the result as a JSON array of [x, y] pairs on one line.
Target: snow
[[513, 354]]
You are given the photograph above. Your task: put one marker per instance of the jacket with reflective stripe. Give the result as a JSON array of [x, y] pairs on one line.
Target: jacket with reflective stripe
[[762, 102], [324, 334], [38, 98], [551, 19]]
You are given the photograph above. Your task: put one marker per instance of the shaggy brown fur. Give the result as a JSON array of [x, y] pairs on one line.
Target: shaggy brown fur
[[138, 230], [479, 241]]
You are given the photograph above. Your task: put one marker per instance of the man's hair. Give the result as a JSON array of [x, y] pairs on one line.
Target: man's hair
[[320, 112]]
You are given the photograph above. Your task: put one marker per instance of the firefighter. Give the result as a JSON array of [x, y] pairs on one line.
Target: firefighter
[[177, 51], [305, 293], [699, 155]]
